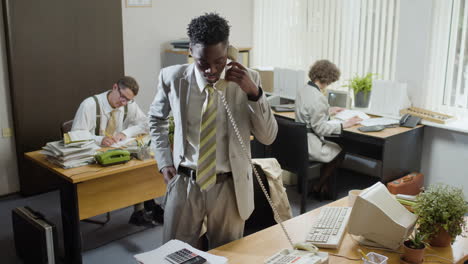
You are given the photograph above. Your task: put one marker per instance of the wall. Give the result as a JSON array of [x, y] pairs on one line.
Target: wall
[[445, 157], [445, 152], [148, 31], [9, 181], [412, 56]]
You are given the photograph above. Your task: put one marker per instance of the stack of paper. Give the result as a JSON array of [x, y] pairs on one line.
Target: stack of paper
[[158, 255], [67, 156], [347, 114], [77, 138], [380, 121]]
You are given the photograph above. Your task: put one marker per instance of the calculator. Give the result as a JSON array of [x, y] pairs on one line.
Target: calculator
[[185, 256]]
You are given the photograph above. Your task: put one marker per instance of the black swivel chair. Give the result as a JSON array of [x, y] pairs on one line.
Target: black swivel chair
[[65, 128], [291, 150]]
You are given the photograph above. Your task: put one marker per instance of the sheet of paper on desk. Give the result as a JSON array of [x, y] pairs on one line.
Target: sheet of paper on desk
[[123, 143], [347, 114], [158, 255], [379, 121]]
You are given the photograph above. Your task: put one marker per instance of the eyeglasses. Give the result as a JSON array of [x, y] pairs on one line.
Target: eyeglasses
[[123, 98]]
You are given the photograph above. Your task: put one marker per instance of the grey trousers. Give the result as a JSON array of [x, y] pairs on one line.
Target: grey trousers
[[187, 206]]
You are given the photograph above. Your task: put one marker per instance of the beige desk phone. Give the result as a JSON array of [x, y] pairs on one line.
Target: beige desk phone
[[302, 253]]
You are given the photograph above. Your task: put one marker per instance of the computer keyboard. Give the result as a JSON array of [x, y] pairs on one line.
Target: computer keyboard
[[328, 231]]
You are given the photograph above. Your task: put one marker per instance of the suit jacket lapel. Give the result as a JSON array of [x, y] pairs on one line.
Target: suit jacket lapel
[[185, 84]]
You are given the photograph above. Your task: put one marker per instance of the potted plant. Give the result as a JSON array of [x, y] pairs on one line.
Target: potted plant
[[441, 209], [171, 131], [414, 247], [362, 87]]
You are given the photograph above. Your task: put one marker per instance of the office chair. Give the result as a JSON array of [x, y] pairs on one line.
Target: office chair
[[65, 128], [291, 150]]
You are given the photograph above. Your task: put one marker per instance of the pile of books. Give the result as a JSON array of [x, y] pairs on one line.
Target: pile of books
[[77, 149]]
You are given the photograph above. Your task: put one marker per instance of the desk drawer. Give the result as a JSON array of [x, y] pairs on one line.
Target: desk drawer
[[113, 192]]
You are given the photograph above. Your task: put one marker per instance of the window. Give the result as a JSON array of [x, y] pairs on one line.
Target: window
[[358, 35], [448, 70]]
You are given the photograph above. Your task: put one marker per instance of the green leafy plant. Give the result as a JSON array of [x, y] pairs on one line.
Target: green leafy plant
[[171, 130], [361, 84], [441, 206], [418, 240]]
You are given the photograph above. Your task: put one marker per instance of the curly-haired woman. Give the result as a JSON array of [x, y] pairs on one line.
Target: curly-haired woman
[[312, 108]]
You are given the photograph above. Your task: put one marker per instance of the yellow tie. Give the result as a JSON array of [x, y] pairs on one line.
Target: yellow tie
[[112, 123], [206, 166]]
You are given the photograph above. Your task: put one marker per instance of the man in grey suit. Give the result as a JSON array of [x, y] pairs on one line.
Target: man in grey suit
[[207, 173]]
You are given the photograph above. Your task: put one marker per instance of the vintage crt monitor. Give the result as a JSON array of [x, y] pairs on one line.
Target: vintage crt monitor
[[338, 98], [378, 217]]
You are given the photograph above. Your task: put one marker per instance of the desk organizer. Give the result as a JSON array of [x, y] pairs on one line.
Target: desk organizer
[[375, 258], [427, 115]]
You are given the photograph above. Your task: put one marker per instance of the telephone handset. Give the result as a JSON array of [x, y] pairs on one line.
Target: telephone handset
[[307, 252], [232, 54], [112, 157]]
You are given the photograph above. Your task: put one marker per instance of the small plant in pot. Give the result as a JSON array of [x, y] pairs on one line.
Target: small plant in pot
[[414, 248], [171, 131], [441, 209], [362, 87]]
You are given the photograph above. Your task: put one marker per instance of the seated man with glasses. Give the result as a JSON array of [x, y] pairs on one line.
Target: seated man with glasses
[[113, 116]]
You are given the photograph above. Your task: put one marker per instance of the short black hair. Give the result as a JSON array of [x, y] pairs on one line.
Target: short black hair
[[208, 29]]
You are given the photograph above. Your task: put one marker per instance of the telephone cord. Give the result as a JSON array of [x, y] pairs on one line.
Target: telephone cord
[[241, 142]]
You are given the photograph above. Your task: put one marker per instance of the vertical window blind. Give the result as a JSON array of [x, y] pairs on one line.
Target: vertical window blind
[[447, 87], [359, 36]]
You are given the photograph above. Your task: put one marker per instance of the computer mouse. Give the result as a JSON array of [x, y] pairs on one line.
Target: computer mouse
[[306, 247]]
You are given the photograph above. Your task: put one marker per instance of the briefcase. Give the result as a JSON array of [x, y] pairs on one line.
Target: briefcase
[[410, 184], [35, 237]]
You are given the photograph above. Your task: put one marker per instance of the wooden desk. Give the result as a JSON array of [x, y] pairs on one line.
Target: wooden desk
[[263, 244], [92, 190], [396, 150]]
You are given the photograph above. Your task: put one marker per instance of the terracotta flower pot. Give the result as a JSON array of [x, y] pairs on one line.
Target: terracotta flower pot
[[412, 255], [441, 239]]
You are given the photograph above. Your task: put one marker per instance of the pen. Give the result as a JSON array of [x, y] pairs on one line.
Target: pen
[[109, 136], [363, 255]]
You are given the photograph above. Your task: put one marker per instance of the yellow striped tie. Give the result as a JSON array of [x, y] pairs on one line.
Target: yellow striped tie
[[112, 123], [206, 166]]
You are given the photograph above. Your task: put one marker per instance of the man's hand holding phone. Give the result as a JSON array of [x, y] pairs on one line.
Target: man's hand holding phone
[[238, 73]]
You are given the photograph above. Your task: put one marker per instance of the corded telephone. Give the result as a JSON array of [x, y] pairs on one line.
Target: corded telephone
[[232, 54], [113, 156], [302, 253], [408, 120]]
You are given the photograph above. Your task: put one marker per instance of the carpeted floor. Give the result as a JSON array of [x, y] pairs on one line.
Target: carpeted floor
[[117, 241]]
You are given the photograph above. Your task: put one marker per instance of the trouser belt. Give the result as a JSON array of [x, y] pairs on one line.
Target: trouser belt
[[192, 174]]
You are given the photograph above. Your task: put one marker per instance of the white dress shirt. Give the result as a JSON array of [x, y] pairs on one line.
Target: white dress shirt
[[197, 99], [135, 123]]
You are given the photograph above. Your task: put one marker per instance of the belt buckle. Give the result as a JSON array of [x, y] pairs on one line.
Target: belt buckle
[[193, 174]]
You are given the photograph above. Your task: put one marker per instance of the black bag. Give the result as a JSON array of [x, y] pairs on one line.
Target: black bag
[[35, 237], [262, 216]]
